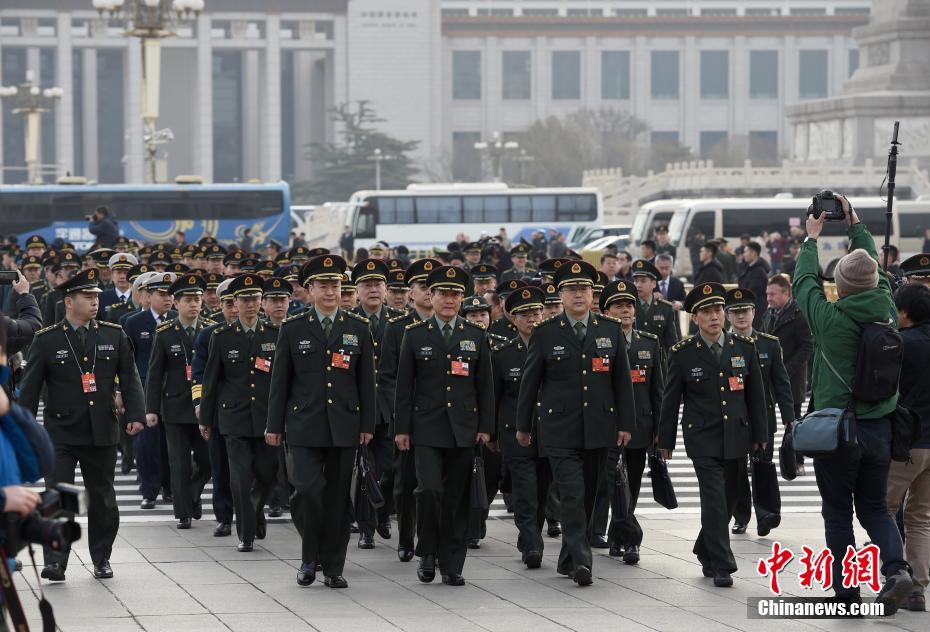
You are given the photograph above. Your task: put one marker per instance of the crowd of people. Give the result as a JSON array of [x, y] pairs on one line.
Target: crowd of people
[[275, 370]]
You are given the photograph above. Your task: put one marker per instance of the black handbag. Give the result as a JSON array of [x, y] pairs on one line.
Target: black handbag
[[663, 492], [479, 494], [787, 457], [621, 504], [365, 493], [765, 491]]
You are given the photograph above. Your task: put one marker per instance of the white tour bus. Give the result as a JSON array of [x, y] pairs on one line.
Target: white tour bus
[[730, 218], [428, 215]]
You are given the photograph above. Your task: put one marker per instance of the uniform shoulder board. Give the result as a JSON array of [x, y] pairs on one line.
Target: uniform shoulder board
[[498, 337], [221, 329], [296, 316], [647, 334], [610, 318], [165, 325], [418, 323], [394, 313], [681, 344], [356, 316], [104, 323], [669, 303], [471, 324], [46, 330], [207, 322], [743, 338], [546, 321], [769, 336], [397, 318], [271, 325]]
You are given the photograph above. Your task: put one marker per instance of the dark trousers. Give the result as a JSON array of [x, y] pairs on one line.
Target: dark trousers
[[553, 504], [98, 466], [219, 469], [381, 448], [443, 476], [126, 442], [857, 477], [718, 483], [626, 532], [281, 492], [578, 475], [320, 503], [188, 477], [147, 450], [252, 465], [744, 499], [493, 470], [405, 483], [530, 477]]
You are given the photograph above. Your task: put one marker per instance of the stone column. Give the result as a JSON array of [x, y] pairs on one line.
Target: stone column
[[271, 105], [135, 165], [251, 132], [89, 113], [64, 109], [203, 112]]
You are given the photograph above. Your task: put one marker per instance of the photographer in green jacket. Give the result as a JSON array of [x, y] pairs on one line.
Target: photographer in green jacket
[[856, 475]]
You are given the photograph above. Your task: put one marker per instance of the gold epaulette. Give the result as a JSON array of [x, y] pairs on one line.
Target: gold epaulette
[[769, 336], [545, 321], [647, 334], [397, 318], [166, 325], [106, 323], [356, 316], [610, 318], [742, 337], [681, 344], [45, 330], [416, 324]]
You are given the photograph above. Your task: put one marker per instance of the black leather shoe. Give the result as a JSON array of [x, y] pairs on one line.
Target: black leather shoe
[[426, 571], [147, 503], [275, 512], [453, 579], [197, 513], [616, 550], [582, 576], [405, 552], [184, 523], [126, 466], [599, 542], [306, 574], [767, 523], [384, 529], [473, 543], [261, 527], [722, 579], [166, 497], [532, 559], [103, 570], [366, 542], [318, 565], [244, 547], [353, 528], [632, 554], [738, 528], [707, 571], [54, 572], [336, 581], [555, 529], [222, 530]]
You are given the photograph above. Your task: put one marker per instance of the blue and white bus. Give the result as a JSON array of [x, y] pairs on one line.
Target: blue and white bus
[[149, 212]]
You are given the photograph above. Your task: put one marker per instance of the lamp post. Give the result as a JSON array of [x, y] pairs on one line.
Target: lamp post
[[496, 148], [377, 157], [524, 158], [150, 21], [31, 101]]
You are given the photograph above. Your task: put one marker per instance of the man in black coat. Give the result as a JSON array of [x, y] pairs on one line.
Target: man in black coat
[[28, 321], [754, 279], [784, 320], [103, 227], [710, 270]]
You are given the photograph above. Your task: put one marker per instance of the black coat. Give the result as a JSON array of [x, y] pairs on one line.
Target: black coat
[[507, 363], [28, 321], [647, 368], [755, 279], [387, 363], [385, 405], [709, 273], [140, 328], [676, 290], [105, 230], [168, 387], [797, 345], [777, 384], [915, 379]]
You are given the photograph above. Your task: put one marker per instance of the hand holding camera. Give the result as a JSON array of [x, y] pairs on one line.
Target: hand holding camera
[[828, 206]]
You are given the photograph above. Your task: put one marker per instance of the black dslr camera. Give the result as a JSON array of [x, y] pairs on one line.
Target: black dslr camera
[[826, 202], [51, 524]]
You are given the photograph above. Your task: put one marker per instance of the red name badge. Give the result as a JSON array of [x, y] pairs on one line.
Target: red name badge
[[600, 365], [262, 364], [89, 382], [460, 368], [736, 383], [341, 360], [188, 370], [638, 375]]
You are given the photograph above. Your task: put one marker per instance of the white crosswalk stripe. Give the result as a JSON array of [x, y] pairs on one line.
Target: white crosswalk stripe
[[799, 495]]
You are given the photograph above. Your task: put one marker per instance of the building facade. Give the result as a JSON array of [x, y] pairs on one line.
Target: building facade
[[247, 88]]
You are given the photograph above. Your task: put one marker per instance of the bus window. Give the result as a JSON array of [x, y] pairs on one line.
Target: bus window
[[913, 224], [543, 208], [755, 222], [473, 209], [577, 208], [395, 210], [702, 223], [496, 209], [521, 208], [366, 222], [439, 210], [659, 218]]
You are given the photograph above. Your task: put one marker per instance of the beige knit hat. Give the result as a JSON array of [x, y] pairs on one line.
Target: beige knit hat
[[856, 272]]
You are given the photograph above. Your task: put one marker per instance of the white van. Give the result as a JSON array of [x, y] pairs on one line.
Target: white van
[[691, 222]]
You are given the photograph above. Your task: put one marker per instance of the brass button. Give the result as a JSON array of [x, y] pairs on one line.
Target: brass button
[[251, 372], [584, 372], [448, 356], [329, 401], [586, 403], [724, 402], [721, 388], [583, 356], [448, 388], [252, 385], [689, 425], [449, 404], [91, 403], [85, 359], [725, 417], [585, 388], [295, 407], [329, 385], [253, 399], [550, 410], [721, 374], [329, 368]]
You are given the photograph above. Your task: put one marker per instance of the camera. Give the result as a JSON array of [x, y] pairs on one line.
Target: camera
[[826, 202], [51, 524]]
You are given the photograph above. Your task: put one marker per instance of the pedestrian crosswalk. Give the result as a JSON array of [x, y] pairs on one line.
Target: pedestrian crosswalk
[[799, 495]]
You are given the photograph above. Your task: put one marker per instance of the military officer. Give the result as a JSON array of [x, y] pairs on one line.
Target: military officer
[[65, 266], [552, 306], [405, 476], [275, 303], [519, 255], [440, 410], [653, 315], [80, 360], [115, 312], [552, 302], [168, 398], [528, 466], [370, 278], [323, 402], [121, 292], [916, 269], [484, 278], [236, 383], [397, 297], [348, 295], [647, 371], [576, 386], [503, 326], [741, 310], [717, 375]]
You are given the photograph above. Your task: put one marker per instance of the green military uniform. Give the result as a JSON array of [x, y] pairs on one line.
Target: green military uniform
[[236, 383], [81, 370], [322, 399], [577, 378], [168, 394], [513, 274], [724, 415], [657, 316]]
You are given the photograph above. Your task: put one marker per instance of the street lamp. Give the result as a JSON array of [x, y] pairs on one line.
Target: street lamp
[[377, 157], [524, 158], [31, 100], [150, 21], [496, 148]]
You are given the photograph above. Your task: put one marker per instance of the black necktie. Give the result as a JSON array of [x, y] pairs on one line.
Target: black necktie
[[82, 335], [373, 323], [327, 326], [447, 333], [579, 331], [717, 349]]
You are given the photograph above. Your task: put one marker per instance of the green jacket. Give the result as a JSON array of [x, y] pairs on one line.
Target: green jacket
[[836, 326]]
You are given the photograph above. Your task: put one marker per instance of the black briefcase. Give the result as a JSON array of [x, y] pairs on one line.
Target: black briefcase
[[765, 483], [365, 492], [663, 492], [479, 493], [621, 504], [787, 457]]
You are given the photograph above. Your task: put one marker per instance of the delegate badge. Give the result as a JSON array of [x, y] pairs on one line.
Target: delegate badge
[[460, 368], [263, 364], [736, 383], [638, 376], [89, 382], [600, 365], [341, 360]]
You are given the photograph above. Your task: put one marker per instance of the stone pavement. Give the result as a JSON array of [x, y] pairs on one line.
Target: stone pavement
[[173, 580]]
